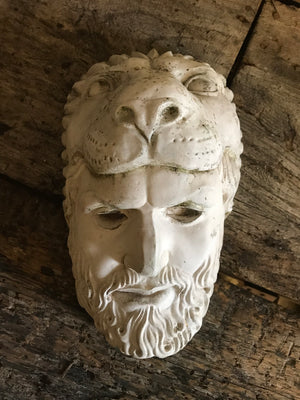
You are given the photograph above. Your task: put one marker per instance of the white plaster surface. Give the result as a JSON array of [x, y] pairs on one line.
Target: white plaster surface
[[153, 148]]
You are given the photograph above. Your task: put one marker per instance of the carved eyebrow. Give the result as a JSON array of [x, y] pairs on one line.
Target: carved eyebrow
[[99, 206], [191, 71], [189, 204], [107, 74], [112, 78]]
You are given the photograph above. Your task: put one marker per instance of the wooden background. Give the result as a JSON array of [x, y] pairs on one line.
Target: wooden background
[[248, 347]]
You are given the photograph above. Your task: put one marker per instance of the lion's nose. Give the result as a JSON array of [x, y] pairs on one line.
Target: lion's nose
[[148, 116]]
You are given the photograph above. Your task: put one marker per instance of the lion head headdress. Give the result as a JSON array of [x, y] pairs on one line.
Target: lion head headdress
[[190, 122]]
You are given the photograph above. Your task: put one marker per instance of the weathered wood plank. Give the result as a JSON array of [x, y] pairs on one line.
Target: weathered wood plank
[[47, 45], [262, 240], [247, 349]]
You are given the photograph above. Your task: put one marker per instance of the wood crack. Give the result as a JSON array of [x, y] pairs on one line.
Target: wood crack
[[290, 3], [238, 60]]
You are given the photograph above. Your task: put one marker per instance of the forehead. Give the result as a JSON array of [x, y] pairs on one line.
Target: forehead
[[156, 186]]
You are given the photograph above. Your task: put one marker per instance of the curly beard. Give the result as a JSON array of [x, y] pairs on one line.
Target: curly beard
[[146, 330]]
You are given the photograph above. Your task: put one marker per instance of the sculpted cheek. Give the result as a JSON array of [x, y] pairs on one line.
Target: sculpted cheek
[[103, 252], [192, 247]]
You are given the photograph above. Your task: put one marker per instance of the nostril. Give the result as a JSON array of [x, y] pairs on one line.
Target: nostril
[[169, 114], [125, 115]]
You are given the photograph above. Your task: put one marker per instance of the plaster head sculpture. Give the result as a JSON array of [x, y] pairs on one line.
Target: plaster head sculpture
[[153, 148]]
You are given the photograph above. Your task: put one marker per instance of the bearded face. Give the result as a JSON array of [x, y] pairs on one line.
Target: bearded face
[[152, 145], [145, 255]]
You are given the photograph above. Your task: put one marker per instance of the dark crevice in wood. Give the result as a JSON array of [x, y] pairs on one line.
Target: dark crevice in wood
[[290, 3], [260, 291], [238, 60], [254, 286], [55, 198], [3, 128]]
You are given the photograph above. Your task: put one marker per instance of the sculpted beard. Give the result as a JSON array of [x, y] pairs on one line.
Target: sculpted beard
[[149, 330]]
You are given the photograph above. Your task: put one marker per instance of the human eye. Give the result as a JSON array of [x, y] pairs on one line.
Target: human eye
[[184, 213], [109, 218]]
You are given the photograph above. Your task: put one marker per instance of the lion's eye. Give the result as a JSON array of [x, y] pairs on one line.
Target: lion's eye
[[110, 219], [183, 214], [201, 85], [98, 87]]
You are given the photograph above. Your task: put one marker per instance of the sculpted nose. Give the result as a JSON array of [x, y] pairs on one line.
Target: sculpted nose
[[149, 253], [155, 256], [149, 115]]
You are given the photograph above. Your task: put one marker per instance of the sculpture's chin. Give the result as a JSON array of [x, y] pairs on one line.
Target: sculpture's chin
[[148, 331], [143, 319], [154, 325]]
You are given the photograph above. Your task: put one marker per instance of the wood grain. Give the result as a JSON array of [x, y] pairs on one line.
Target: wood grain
[[262, 238], [33, 235]]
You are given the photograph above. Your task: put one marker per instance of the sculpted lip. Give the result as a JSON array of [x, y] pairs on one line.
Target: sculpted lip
[[142, 291], [134, 298]]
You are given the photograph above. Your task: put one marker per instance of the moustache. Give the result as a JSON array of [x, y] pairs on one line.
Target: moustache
[[127, 278]]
